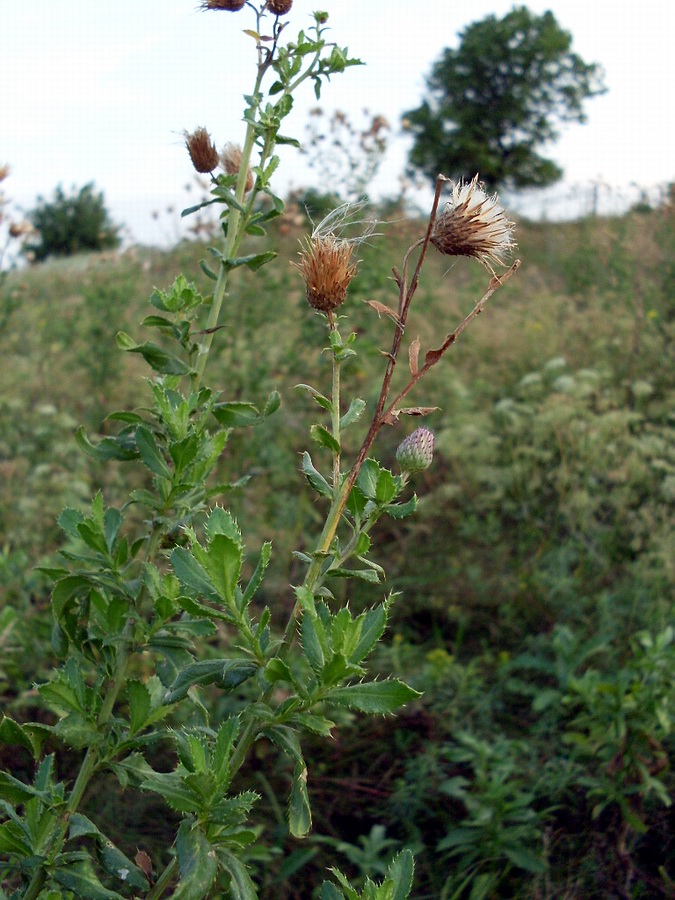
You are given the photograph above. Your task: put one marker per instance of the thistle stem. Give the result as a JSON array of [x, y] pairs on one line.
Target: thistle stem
[[163, 881], [233, 239], [335, 409]]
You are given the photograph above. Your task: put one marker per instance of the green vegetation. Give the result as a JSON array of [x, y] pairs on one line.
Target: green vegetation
[[498, 97], [71, 223], [537, 577]]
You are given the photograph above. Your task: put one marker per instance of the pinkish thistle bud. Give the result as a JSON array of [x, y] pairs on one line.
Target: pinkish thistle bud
[[416, 452]]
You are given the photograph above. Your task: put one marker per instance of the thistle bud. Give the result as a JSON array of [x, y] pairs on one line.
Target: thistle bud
[[279, 7], [326, 266], [231, 5], [473, 224], [202, 152], [416, 452], [231, 162]]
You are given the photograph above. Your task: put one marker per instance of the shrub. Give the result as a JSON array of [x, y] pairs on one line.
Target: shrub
[[70, 224]]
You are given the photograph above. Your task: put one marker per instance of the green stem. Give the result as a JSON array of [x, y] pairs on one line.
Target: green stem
[[232, 241], [335, 411], [163, 881]]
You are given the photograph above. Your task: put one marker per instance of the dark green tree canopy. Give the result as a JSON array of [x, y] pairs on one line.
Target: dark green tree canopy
[[71, 224], [497, 98]]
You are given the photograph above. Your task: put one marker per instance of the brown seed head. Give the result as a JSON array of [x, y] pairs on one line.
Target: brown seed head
[[202, 152], [279, 7], [20, 229], [4, 171], [231, 5], [230, 159], [326, 266], [473, 224]]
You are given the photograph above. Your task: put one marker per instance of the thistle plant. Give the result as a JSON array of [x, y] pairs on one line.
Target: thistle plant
[[148, 616]]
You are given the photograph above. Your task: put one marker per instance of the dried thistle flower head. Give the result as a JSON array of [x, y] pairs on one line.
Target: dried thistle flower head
[[416, 452], [202, 152], [279, 7], [326, 266], [474, 224], [4, 171], [231, 5], [230, 159], [326, 259]]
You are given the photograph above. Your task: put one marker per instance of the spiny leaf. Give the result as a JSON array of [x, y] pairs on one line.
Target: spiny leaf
[[374, 697]]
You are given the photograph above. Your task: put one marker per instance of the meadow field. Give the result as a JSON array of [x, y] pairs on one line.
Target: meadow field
[[537, 577]]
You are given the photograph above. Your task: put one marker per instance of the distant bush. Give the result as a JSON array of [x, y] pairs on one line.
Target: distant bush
[[69, 224]]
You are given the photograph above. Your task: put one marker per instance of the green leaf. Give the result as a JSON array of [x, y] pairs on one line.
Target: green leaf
[[387, 487], [253, 261], [316, 724], [374, 622], [272, 404], [236, 414], [195, 608], [118, 864], [197, 863], [284, 139], [401, 510], [183, 452], [322, 436], [80, 826], [299, 810], [350, 892], [320, 399], [106, 449], [224, 193], [277, 670], [316, 480], [226, 674], [368, 477], [329, 891], [314, 642], [207, 270], [193, 209], [525, 859], [191, 574], [13, 734], [222, 748], [13, 840], [354, 413], [370, 575], [258, 575], [241, 885], [225, 558], [157, 358], [112, 522], [81, 880], [374, 697], [173, 789], [401, 871], [150, 452], [139, 705], [157, 322]]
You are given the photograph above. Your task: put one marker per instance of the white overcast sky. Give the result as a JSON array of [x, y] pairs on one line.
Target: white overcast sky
[[100, 90]]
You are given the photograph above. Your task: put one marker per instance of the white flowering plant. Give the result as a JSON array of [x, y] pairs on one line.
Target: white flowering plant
[[149, 616]]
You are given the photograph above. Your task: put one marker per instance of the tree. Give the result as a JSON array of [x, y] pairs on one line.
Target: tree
[[497, 98], [71, 224]]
